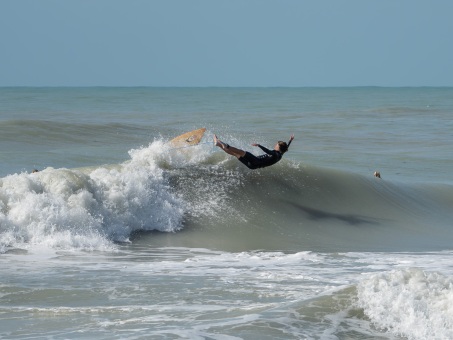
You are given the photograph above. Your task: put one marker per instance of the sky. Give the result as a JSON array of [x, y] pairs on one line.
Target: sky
[[232, 43]]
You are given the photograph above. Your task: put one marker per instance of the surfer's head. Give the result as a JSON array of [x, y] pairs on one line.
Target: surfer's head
[[282, 146]]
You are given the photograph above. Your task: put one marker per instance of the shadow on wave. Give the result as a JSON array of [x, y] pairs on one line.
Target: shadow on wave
[[321, 215]]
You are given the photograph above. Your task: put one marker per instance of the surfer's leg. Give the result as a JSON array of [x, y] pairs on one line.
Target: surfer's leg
[[231, 150], [235, 151]]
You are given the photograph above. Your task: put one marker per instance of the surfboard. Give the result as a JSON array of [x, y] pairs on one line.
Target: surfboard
[[188, 139]]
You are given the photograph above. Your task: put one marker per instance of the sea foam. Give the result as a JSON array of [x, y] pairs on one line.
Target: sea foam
[[410, 303], [88, 208]]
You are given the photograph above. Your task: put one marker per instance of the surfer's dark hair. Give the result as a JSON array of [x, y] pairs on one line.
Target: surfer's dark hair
[[283, 146]]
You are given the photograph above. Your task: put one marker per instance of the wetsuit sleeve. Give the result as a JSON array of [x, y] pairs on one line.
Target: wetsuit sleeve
[[266, 150]]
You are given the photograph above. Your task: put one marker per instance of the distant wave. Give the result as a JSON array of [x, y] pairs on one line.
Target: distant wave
[[32, 131], [220, 204]]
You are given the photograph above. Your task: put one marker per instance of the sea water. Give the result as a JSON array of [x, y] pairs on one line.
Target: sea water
[[119, 235]]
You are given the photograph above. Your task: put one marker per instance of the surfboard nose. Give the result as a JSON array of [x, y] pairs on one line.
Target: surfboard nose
[[189, 138]]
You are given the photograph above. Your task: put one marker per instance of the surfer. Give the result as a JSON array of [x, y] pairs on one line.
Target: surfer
[[254, 162]]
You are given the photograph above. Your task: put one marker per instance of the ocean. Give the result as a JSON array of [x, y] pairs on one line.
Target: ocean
[[119, 235]]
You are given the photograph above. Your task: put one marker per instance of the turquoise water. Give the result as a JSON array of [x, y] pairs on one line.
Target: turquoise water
[[119, 235]]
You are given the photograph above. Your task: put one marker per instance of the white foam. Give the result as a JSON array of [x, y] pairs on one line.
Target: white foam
[[410, 303], [88, 209]]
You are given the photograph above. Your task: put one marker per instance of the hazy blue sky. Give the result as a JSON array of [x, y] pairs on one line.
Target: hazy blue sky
[[226, 43]]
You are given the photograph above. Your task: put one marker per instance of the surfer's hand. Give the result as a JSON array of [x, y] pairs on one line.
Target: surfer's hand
[[255, 144], [292, 137]]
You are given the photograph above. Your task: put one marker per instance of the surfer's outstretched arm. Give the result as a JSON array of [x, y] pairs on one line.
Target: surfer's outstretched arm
[[291, 138], [231, 150]]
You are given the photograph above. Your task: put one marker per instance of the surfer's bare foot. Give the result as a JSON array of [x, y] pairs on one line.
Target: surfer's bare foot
[[217, 142]]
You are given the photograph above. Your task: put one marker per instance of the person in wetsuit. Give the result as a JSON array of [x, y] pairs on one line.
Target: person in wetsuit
[[254, 162]]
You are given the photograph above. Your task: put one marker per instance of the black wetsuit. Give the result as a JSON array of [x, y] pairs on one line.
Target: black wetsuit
[[254, 162]]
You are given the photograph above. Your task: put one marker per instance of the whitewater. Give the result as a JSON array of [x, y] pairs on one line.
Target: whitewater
[[120, 235]]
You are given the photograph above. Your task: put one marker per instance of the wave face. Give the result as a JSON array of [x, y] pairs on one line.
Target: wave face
[[206, 198]]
